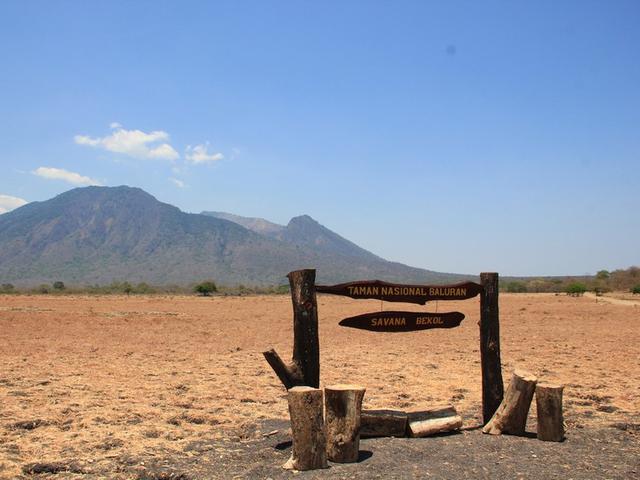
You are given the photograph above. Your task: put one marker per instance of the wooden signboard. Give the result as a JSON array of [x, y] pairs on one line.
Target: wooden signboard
[[391, 292], [403, 321]]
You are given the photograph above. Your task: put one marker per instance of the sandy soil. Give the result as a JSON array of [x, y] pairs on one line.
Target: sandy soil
[[95, 379]]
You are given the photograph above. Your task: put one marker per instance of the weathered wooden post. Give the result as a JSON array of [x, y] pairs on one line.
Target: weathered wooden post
[[343, 406], [549, 407], [511, 415], [305, 366], [492, 386], [307, 429]]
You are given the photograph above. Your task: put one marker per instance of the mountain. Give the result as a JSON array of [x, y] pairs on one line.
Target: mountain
[[302, 232], [101, 234]]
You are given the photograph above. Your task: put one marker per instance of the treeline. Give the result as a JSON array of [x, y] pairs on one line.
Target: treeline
[[206, 287], [623, 280]]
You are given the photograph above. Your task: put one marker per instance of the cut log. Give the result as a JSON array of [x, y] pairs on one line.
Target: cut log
[[343, 404], [492, 385], [549, 407], [307, 429], [433, 421], [304, 368], [383, 423], [511, 415]]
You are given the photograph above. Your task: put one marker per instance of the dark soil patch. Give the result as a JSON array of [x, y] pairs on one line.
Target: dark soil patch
[[586, 454]]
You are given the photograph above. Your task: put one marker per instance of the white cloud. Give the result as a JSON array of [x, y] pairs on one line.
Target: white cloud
[[177, 183], [199, 154], [8, 203], [60, 174], [134, 143]]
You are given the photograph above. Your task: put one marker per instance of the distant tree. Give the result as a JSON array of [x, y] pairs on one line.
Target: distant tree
[[516, 287], [7, 288], [44, 288], [603, 275], [205, 288], [58, 285], [636, 289], [127, 288], [576, 289], [143, 288]]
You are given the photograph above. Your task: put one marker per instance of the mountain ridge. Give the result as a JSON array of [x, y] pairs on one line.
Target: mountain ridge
[[102, 234]]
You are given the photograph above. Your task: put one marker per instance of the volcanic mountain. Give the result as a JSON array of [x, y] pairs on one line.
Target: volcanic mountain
[[101, 234]]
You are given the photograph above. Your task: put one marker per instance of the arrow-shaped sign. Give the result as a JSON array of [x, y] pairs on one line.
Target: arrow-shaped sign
[[403, 321]]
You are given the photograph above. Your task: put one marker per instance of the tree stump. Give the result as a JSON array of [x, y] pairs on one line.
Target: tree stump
[[511, 415], [383, 423], [550, 418], [433, 421], [343, 405], [307, 429]]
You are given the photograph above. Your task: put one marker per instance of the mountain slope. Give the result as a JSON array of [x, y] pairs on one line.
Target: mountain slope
[[101, 234]]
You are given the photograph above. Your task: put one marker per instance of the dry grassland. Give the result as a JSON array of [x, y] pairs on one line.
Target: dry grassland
[[95, 378]]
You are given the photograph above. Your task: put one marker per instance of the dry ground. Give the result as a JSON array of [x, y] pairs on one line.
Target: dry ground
[[100, 382]]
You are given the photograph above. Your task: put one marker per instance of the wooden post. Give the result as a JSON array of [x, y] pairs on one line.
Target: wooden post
[[343, 404], [305, 366], [550, 418], [511, 415], [307, 429], [492, 386]]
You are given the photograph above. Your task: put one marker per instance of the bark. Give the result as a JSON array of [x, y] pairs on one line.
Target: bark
[[511, 415], [307, 429], [549, 407], [343, 420]]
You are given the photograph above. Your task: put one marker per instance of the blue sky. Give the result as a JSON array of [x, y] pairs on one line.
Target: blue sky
[[454, 136]]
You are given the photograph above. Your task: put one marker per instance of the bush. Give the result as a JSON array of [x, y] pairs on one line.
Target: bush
[[576, 289], [636, 290], [205, 288], [58, 285], [7, 288], [44, 288]]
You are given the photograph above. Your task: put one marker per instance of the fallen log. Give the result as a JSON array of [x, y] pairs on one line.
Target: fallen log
[[307, 429], [343, 406], [549, 409], [433, 421], [511, 415], [383, 423]]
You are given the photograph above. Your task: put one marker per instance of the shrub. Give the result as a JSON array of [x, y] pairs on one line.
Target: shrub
[[44, 288], [636, 290], [576, 289], [58, 285], [7, 288], [205, 288]]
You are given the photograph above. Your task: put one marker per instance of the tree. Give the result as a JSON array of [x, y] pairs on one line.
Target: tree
[[6, 288], [58, 285], [205, 288], [576, 289], [636, 289], [127, 288], [603, 275], [516, 287]]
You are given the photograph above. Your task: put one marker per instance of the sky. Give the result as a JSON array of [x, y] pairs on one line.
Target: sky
[[454, 136]]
